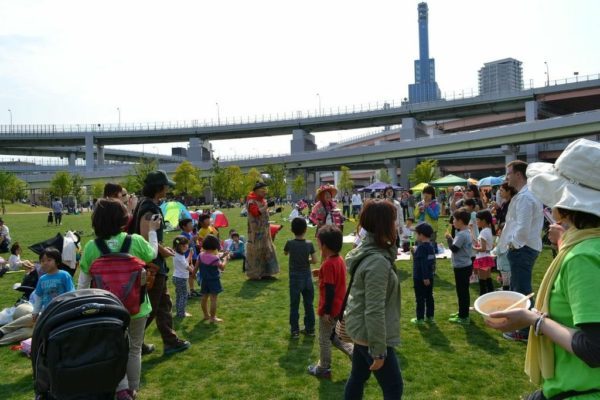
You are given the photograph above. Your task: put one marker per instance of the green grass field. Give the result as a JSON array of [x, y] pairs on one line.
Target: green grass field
[[250, 355]]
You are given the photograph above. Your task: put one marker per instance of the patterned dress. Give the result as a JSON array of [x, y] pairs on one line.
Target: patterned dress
[[261, 260]]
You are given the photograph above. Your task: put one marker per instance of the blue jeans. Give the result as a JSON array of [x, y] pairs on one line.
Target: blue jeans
[[388, 376], [301, 284], [521, 268]]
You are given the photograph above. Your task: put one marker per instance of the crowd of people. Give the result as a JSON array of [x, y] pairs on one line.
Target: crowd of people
[[361, 316]]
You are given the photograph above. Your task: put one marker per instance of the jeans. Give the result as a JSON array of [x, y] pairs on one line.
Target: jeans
[[346, 210], [424, 297], [461, 278], [131, 380], [521, 268], [181, 295], [301, 284], [388, 376]]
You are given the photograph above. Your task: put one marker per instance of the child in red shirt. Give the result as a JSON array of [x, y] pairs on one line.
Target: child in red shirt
[[332, 290]]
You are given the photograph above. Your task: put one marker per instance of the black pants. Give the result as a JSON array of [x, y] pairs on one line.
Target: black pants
[[161, 311], [461, 278], [424, 297]]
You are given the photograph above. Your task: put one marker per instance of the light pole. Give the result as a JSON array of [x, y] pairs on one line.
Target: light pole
[[547, 74], [319, 96], [576, 73], [10, 114], [218, 114], [119, 111]]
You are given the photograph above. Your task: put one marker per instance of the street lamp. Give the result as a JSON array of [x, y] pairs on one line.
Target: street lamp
[[119, 111], [547, 74], [576, 73], [319, 96], [218, 114], [10, 114]]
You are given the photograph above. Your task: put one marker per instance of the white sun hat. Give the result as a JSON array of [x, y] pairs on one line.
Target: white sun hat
[[573, 182]]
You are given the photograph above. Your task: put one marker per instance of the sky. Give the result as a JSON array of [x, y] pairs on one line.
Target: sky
[[73, 61]]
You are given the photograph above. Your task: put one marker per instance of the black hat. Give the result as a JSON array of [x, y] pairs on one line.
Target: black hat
[[424, 229], [158, 178], [259, 185]]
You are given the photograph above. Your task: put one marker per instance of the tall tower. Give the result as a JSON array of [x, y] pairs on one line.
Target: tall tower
[[425, 87]]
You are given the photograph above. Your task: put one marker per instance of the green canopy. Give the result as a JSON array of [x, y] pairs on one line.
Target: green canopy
[[419, 188], [449, 180]]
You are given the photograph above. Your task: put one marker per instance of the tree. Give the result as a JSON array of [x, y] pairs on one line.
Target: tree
[[7, 182], [425, 172], [187, 179], [77, 189], [218, 181], [250, 180], [384, 176], [18, 191], [235, 183], [134, 182], [346, 183], [276, 181], [61, 184], [98, 190], [299, 185]]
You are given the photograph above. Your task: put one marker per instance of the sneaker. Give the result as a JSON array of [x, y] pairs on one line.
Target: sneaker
[[123, 395], [515, 336], [319, 372], [181, 345], [147, 349], [295, 335], [430, 320], [417, 321], [307, 332], [459, 320], [454, 314]]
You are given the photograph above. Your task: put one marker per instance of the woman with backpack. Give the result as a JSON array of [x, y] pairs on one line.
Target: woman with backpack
[[108, 221]]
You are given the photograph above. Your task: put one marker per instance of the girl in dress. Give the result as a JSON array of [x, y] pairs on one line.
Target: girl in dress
[[483, 259]]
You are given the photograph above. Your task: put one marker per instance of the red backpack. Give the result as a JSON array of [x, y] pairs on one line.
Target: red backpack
[[119, 273]]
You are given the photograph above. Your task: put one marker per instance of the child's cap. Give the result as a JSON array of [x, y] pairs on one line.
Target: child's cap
[[424, 229]]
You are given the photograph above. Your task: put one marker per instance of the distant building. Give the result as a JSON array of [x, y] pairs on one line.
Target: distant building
[[425, 87], [501, 76]]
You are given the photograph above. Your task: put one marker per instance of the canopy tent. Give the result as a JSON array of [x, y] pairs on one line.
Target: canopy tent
[[379, 186], [449, 180], [490, 181], [419, 188], [173, 212]]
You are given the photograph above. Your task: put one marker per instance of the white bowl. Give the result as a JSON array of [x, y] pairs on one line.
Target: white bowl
[[498, 301]]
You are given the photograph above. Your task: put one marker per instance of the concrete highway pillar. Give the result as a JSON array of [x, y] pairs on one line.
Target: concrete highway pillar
[[89, 151], [199, 150], [100, 155], [411, 130], [531, 114], [336, 181], [72, 159], [392, 169], [407, 165], [302, 141], [510, 152]]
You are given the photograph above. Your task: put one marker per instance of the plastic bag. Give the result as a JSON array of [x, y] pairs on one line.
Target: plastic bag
[[6, 315]]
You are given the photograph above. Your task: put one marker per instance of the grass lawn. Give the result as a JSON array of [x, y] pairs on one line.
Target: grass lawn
[[250, 355]]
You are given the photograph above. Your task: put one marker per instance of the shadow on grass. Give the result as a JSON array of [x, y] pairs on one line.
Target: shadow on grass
[[432, 334], [295, 360], [479, 337], [330, 389], [252, 288], [22, 386]]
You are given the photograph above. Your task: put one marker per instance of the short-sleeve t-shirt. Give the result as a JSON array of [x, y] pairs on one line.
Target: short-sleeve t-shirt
[[139, 248], [51, 285], [332, 272], [209, 266], [299, 251], [462, 258], [574, 301], [485, 234]]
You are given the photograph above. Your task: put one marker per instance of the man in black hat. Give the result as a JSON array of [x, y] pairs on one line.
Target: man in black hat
[[155, 189]]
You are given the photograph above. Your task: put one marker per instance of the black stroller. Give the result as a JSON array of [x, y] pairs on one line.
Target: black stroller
[[80, 346]]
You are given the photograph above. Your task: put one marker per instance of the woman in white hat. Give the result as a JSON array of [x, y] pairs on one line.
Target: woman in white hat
[[563, 352]]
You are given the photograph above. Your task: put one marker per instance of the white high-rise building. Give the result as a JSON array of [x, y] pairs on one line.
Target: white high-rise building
[[501, 76]]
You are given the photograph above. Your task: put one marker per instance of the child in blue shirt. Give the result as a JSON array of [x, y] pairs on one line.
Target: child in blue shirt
[[423, 270], [53, 283]]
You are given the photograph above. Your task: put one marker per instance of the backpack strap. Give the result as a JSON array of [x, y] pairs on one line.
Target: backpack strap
[[126, 244], [101, 245]]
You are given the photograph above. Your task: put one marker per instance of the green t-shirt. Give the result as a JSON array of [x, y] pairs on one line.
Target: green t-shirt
[[574, 300], [139, 248]]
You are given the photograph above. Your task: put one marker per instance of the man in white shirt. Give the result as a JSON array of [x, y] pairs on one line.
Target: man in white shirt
[[356, 204], [521, 234]]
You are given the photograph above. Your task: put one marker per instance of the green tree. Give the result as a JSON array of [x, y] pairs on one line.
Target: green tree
[[134, 181], [98, 189], [384, 176], [61, 184], [218, 180], [77, 189], [7, 182], [425, 172], [19, 190], [250, 180], [276, 181], [346, 183], [299, 185], [187, 179], [235, 182]]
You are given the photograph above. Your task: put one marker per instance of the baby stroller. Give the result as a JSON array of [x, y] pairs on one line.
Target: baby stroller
[[80, 346]]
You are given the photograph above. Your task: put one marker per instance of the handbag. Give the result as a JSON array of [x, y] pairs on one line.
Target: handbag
[[340, 326]]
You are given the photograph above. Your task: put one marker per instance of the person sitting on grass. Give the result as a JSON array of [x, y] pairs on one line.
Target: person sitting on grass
[[14, 261], [53, 283], [236, 248], [4, 237], [423, 269], [210, 266], [332, 290], [302, 254], [462, 264]]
